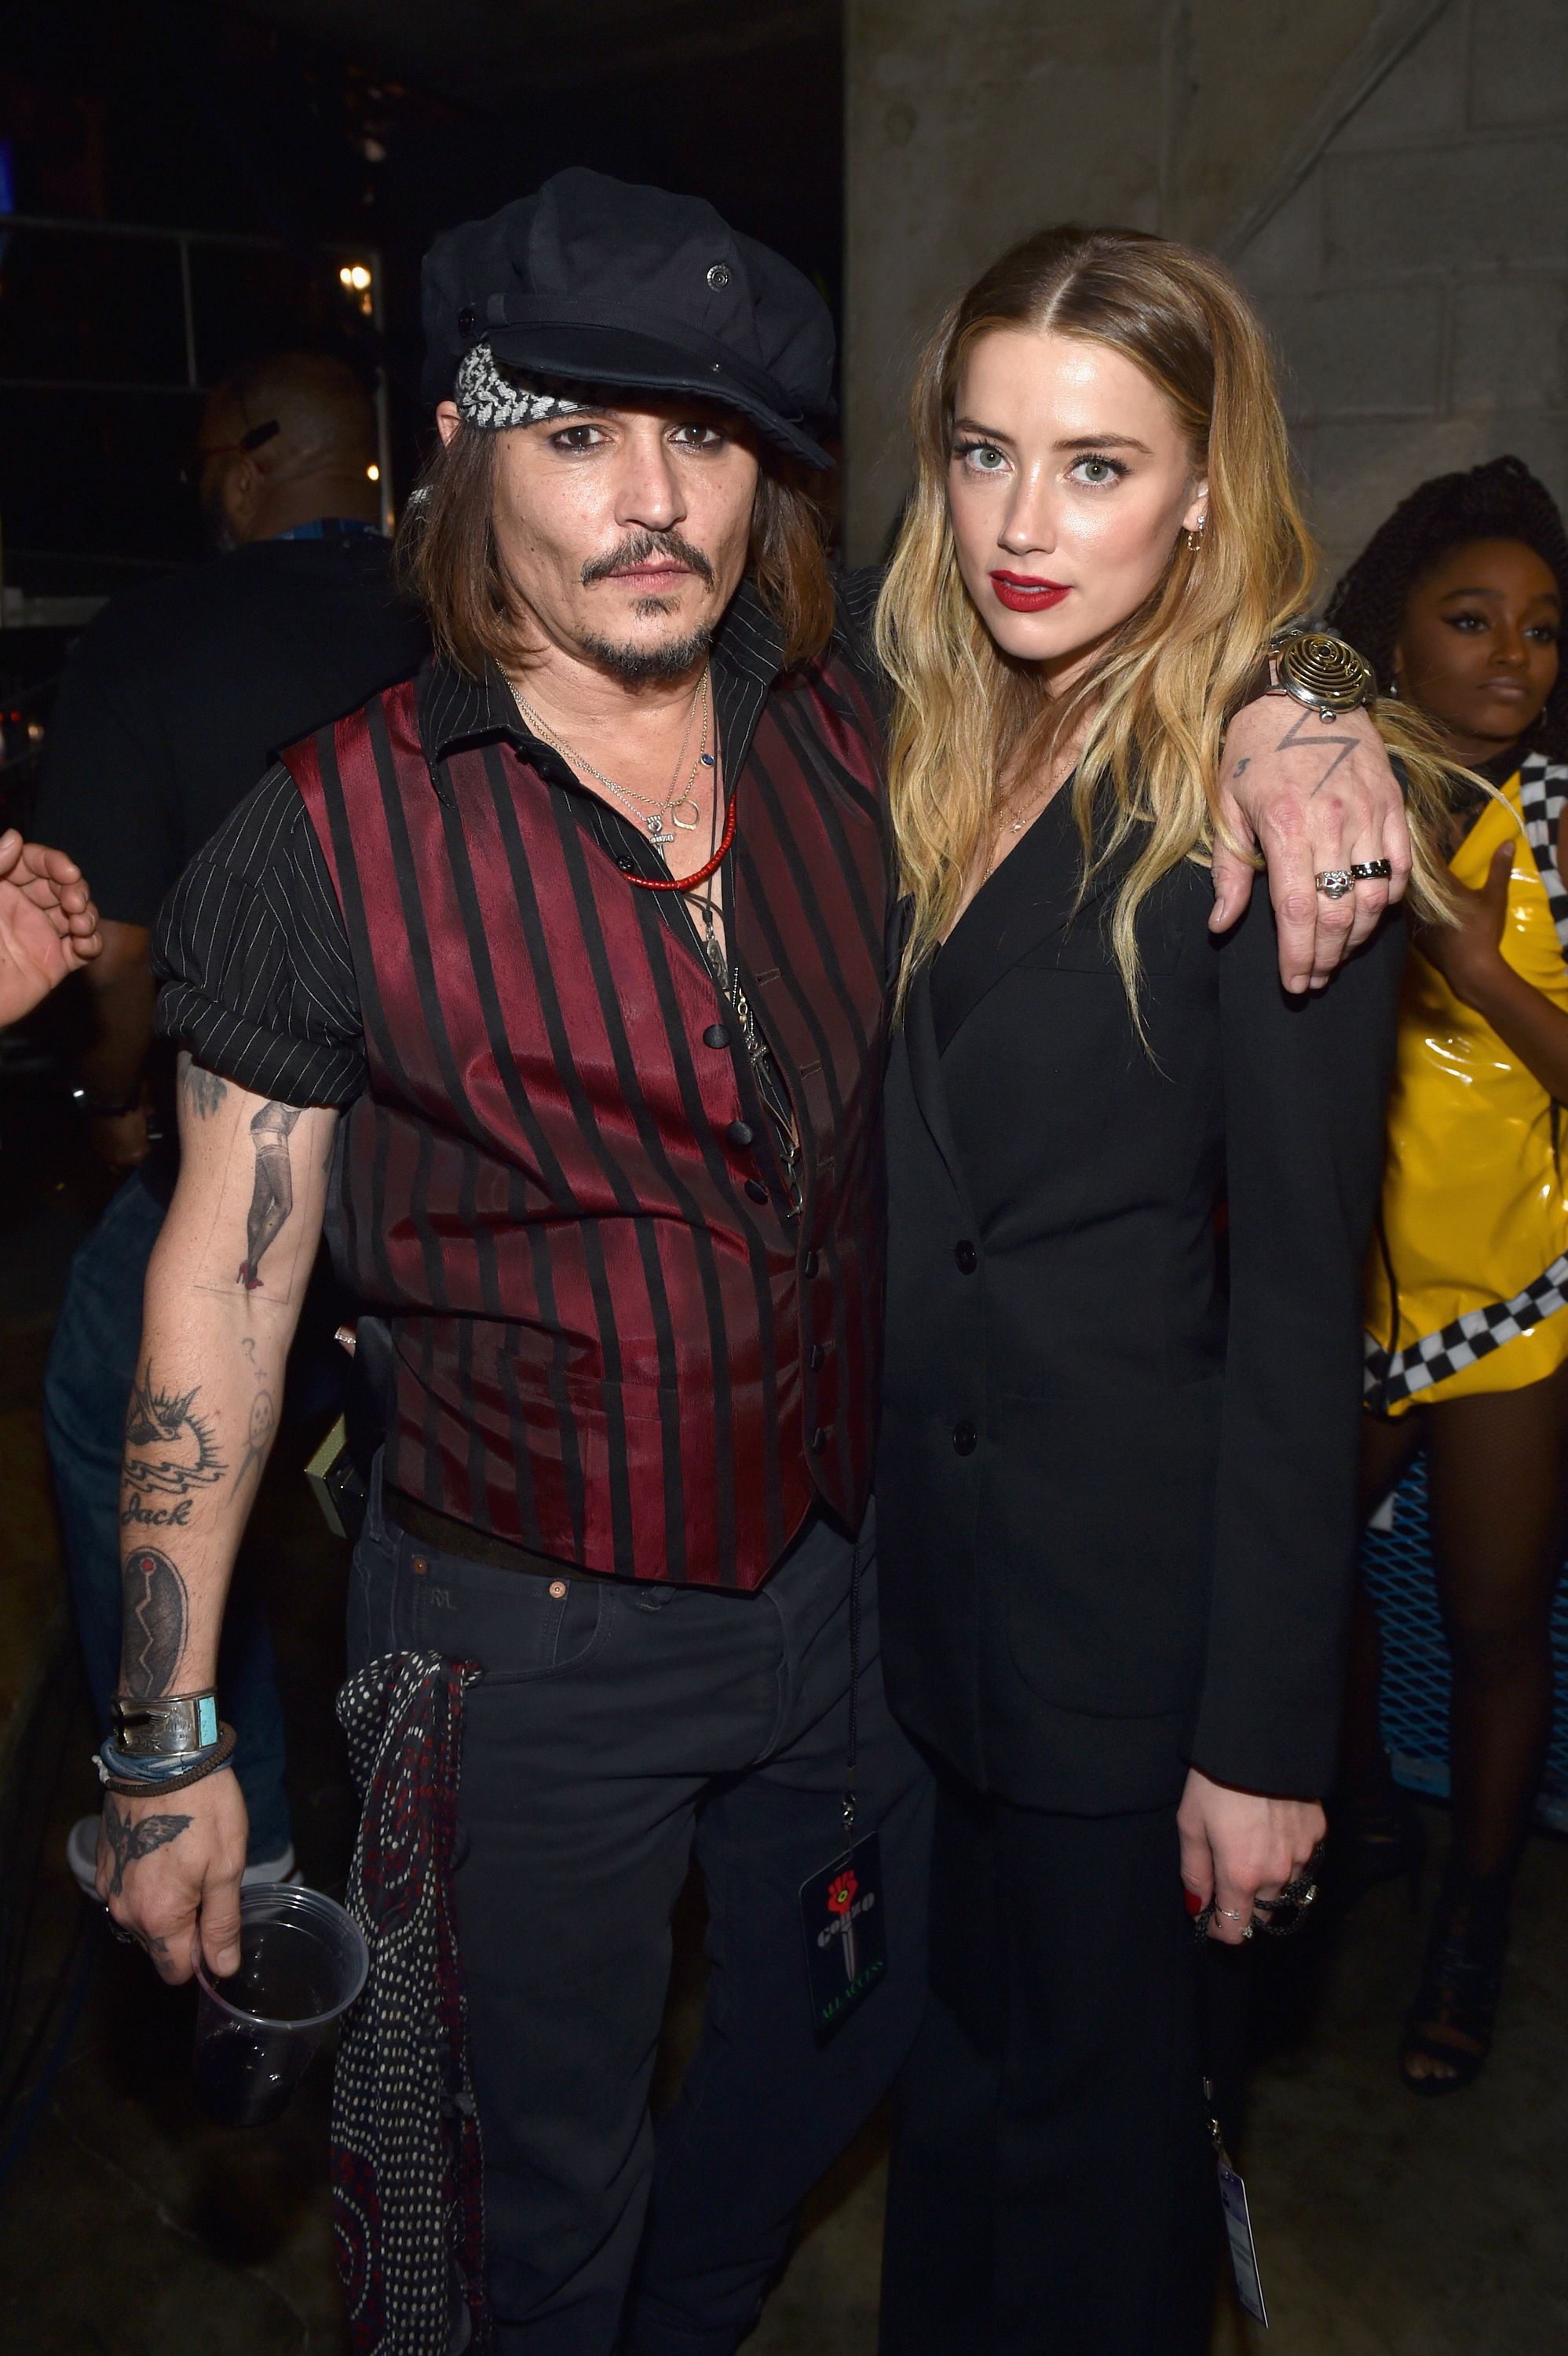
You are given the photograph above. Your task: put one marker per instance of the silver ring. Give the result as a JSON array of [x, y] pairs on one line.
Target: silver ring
[[1335, 882], [1372, 871], [1230, 1913]]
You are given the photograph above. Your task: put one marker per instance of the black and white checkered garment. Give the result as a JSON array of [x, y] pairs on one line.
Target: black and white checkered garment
[[1394, 1375], [407, 2194]]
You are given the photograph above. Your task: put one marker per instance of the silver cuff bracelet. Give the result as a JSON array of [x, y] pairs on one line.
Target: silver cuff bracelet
[[168, 1728]]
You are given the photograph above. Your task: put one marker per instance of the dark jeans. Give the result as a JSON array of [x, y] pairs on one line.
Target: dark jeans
[[87, 1384], [616, 1728], [1052, 2189]]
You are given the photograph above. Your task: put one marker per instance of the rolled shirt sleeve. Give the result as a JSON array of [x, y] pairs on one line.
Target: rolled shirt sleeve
[[251, 947]]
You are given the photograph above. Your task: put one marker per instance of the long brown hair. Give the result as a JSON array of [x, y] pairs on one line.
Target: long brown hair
[[1160, 694], [448, 558]]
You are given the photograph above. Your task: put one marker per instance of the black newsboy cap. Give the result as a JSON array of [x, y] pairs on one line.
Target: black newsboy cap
[[594, 281]]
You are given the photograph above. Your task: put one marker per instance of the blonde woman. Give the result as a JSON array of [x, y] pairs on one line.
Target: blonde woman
[[1116, 1490]]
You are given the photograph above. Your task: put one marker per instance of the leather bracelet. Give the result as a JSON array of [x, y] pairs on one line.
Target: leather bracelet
[[153, 1787]]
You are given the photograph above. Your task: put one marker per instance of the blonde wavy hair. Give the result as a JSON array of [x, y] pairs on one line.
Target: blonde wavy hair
[[1158, 695]]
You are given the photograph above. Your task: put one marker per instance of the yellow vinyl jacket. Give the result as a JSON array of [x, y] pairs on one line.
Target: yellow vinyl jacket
[[1467, 1275]]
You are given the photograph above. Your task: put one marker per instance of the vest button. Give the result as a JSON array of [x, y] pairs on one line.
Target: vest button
[[819, 1441], [757, 1191], [811, 1264], [965, 1440], [818, 1356], [966, 1258], [740, 1132], [466, 320], [716, 1035]]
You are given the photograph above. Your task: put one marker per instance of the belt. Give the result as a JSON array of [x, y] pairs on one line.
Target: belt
[[449, 1535]]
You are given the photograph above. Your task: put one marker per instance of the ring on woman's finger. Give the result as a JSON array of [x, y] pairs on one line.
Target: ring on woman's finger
[[1229, 1912], [1372, 871], [1335, 882]]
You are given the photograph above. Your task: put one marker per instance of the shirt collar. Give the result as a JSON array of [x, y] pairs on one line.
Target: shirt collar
[[748, 655]]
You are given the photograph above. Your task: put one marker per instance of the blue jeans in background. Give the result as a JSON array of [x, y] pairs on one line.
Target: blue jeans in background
[[87, 1387]]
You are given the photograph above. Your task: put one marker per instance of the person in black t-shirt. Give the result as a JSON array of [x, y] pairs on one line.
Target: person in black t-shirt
[[174, 700]]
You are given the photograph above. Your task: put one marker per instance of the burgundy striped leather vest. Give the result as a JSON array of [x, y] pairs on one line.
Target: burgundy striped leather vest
[[617, 1342]]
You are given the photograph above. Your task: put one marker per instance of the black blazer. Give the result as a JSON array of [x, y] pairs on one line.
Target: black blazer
[[1116, 1492]]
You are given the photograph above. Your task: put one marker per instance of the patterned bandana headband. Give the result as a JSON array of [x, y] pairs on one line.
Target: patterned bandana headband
[[493, 401]]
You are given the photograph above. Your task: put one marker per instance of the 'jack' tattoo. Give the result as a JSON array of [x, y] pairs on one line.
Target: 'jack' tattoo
[[131, 1840], [274, 1195], [201, 1091], [155, 1619]]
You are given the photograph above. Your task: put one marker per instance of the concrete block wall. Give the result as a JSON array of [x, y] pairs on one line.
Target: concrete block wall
[[1417, 279]]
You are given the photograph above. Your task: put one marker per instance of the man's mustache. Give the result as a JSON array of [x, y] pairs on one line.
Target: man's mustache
[[637, 550]]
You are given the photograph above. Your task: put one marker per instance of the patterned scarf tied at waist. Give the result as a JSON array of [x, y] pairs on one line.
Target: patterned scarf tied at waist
[[406, 2185]]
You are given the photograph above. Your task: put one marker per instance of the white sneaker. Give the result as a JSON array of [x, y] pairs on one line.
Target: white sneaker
[[81, 1855]]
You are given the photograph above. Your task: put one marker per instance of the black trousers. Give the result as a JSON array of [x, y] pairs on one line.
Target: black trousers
[[1052, 2185], [615, 1727]]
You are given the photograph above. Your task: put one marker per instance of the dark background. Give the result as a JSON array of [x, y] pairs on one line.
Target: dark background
[[333, 126]]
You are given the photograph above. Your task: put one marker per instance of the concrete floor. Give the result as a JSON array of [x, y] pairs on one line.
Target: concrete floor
[[1385, 2226]]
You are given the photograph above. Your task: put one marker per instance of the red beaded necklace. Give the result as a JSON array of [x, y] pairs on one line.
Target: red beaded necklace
[[699, 875]]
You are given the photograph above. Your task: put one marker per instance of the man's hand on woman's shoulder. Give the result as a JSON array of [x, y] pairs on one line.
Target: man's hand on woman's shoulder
[[1310, 798]]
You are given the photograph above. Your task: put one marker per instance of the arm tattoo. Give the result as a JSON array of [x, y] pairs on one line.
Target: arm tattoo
[[273, 1196], [130, 1841], [258, 1438], [201, 1091], [155, 1619], [1293, 742], [169, 1454]]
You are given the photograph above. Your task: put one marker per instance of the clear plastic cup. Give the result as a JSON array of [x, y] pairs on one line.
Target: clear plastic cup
[[303, 1961]]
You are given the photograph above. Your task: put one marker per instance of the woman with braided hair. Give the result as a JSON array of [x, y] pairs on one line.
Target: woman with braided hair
[[1457, 603]]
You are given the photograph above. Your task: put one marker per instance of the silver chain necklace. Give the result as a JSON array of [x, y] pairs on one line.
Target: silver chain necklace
[[652, 813]]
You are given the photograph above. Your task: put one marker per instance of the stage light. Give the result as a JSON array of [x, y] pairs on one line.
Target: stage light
[[373, 474]]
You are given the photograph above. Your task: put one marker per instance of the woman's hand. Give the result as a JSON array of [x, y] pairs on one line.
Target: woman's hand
[[1239, 1846], [1470, 955]]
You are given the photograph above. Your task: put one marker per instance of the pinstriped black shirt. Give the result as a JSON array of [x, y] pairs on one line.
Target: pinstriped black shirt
[[634, 1326], [251, 947]]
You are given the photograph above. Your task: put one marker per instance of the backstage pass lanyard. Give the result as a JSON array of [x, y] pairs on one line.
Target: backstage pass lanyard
[[842, 1915], [1238, 2219]]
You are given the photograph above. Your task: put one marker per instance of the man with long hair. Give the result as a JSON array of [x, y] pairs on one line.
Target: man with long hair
[[572, 959]]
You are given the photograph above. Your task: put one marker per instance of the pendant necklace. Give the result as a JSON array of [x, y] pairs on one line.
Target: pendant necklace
[[659, 817]]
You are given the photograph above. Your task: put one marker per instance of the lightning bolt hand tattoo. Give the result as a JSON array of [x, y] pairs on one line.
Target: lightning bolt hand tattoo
[[1293, 741]]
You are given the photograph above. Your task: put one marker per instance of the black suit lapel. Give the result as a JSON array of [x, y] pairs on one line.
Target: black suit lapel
[[1034, 894], [919, 1037]]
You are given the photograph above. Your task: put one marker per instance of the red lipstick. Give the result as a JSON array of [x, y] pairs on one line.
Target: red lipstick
[[1024, 593]]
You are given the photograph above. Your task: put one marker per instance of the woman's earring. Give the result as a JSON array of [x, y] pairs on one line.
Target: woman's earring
[[1194, 537]]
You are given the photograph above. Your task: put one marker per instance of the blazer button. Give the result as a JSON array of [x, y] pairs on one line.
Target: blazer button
[[716, 1035], [966, 1256], [757, 1191], [819, 1441], [812, 1264], [966, 1439], [740, 1132], [817, 1357]]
